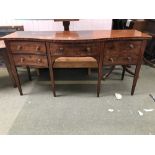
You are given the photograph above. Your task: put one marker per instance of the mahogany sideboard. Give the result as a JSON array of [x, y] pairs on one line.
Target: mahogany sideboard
[[107, 47]]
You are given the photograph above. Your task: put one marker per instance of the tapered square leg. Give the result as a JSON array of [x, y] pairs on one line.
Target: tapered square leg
[[52, 80], [29, 73], [7, 63], [100, 75], [16, 76], [135, 79]]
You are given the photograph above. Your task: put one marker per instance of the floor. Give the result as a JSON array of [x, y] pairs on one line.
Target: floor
[[77, 110]]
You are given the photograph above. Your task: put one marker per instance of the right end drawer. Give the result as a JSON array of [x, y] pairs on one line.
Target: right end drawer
[[122, 52]]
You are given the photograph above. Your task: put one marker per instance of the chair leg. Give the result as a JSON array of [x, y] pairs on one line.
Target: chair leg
[[29, 73], [108, 74], [123, 72], [129, 71]]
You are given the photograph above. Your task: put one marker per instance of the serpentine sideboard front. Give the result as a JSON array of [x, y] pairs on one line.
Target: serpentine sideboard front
[[41, 49]]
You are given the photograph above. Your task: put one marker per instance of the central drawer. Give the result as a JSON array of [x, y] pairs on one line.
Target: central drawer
[[74, 50], [28, 47], [122, 52], [30, 60]]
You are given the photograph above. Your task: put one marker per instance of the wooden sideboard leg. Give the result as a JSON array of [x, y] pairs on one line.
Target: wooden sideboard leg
[[135, 78], [18, 82], [138, 66], [16, 76], [29, 73], [100, 75], [13, 69], [51, 61], [10, 74], [52, 80], [123, 72], [7, 63], [11, 77]]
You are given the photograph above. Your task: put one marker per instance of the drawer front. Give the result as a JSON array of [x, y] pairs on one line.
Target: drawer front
[[120, 60], [30, 60], [122, 52], [77, 49], [28, 47]]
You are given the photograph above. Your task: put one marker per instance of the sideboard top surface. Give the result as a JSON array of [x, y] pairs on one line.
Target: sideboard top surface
[[77, 35]]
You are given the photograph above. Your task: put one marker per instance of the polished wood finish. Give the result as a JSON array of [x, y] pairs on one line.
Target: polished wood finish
[[76, 49], [28, 47], [74, 36], [69, 36], [27, 54], [122, 52], [30, 60], [125, 47]]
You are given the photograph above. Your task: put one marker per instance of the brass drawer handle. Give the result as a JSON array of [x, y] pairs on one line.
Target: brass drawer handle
[[38, 61], [22, 59], [111, 59], [129, 58], [61, 49], [38, 48], [131, 46], [88, 49], [19, 47]]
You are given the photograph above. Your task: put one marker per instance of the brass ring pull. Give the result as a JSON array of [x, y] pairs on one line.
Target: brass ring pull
[[131, 46], [22, 60], [111, 59], [39, 60], [129, 58], [19, 47], [37, 48], [88, 49], [61, 49]]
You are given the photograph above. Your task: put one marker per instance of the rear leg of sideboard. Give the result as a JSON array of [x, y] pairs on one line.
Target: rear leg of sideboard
[[138, 66], [8, 66], [17, 80], [52, 79], [13, 68], [100, 75], [29, 73], [51, 70]]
